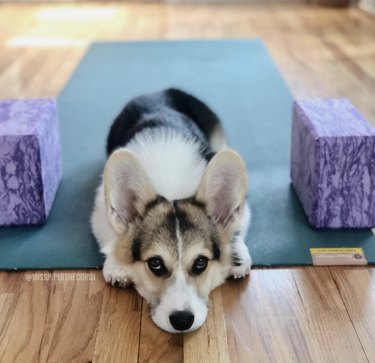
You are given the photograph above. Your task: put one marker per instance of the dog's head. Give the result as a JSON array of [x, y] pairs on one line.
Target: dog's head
[[177, 252]]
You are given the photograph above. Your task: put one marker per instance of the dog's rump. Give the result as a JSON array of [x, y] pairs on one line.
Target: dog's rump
[[172, 109]]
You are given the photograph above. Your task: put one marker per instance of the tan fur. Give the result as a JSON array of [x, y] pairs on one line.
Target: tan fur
[[158, 241]]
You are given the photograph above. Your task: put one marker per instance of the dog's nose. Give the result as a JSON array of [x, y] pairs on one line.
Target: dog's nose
[[181, 320]]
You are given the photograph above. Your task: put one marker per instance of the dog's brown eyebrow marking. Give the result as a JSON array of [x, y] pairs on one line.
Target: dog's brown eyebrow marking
[[184, 221], [197, 203], [170, 222], [183, 209], [188, 215], [153, 203]]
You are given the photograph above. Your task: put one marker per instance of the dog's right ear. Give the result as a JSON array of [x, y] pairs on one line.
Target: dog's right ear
[[127, 189], [223, 187]]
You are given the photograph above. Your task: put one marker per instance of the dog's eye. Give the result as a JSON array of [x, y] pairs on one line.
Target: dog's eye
[[199, 265], [156, 265]]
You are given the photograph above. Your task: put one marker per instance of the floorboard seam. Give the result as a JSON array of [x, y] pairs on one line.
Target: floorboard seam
[[140, 329], [347, 311], [45, 321]]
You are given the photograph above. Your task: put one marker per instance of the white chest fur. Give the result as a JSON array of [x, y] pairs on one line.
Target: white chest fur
[[172, 162]]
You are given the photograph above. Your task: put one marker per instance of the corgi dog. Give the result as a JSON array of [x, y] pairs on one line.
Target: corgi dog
[[171, 214]]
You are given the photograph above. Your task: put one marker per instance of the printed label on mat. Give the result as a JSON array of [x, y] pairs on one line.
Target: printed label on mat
[[338, 256]]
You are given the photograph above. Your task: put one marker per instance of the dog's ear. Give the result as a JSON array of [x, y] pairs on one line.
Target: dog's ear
[[127, 189], [223, 187]]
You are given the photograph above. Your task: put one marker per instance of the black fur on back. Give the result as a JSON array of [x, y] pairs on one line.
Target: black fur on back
[[170, 108]]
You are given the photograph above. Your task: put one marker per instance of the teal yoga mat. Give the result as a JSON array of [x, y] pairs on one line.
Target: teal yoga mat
[[238, 79]]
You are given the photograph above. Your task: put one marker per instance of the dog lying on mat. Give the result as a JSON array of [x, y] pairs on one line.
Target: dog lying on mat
[[171, 213]]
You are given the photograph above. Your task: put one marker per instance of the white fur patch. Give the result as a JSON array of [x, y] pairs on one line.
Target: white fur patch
[[171, 160], [180, 296]]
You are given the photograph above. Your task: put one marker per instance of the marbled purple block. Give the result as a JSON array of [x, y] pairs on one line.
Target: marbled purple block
[[30, 160], [333, 164]]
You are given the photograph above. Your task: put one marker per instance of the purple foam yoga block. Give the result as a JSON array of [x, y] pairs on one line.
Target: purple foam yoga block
[[30, 160], [333, 164]]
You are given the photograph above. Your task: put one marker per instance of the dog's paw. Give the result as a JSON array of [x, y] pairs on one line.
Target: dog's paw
[[241, 261], [116, 275], [241, 271]]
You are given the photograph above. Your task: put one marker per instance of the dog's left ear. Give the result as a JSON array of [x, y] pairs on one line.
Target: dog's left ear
[[223, 187], [127, 189]]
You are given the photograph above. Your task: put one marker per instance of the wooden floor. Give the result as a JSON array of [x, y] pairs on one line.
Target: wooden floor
[[276, 315]]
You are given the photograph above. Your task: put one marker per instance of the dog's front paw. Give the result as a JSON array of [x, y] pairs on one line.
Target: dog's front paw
[[241, 261], [115, 274], [239, 272]]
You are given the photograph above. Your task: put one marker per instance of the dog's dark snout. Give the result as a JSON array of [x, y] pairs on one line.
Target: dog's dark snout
[[181, 320]]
